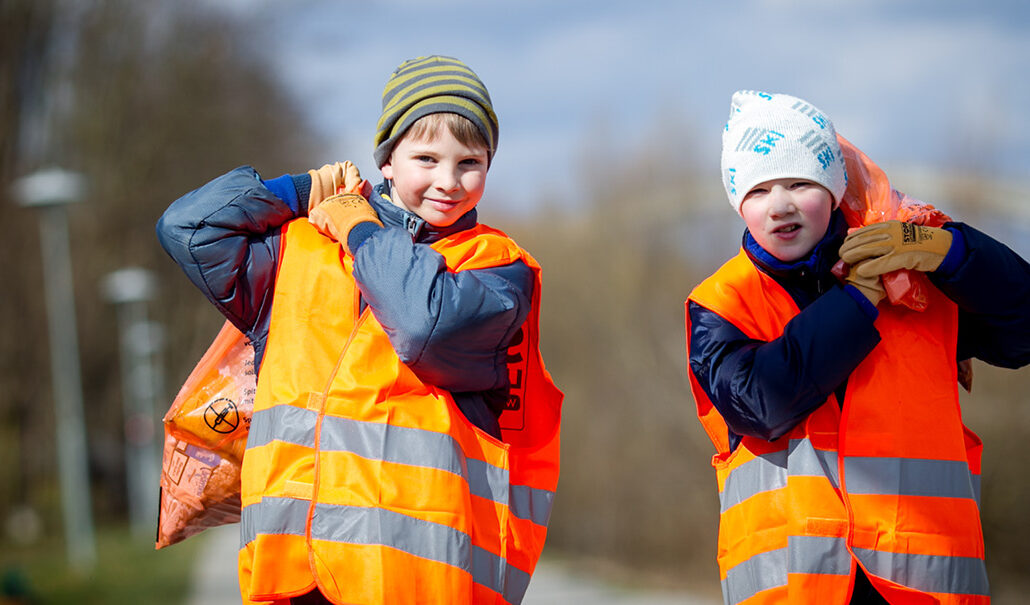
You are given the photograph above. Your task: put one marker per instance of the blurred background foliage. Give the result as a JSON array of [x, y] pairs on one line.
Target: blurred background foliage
[[149, 100], [145, 99]]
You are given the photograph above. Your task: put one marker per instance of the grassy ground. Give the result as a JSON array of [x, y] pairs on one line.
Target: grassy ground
[[127, 571]]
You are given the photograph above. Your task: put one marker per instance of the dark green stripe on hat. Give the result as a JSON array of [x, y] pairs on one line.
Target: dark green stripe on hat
[[434, 84]]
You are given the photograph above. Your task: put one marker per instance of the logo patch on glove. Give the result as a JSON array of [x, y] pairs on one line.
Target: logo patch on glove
[[914, 234]]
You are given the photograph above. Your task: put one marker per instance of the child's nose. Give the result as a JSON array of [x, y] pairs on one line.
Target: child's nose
[[780, 201], [447, 180]]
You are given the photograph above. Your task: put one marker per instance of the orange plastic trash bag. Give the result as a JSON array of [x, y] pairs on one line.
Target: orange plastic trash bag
[[199, 489], [870, 199], [205, 436]]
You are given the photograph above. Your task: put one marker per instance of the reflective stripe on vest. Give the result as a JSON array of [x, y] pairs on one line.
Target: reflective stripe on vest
[[370, 484], [821, 555], [899, 493], [407, 446], [885, 476], [909, 477], [769, 570], [829, 555], [359, 525], [928, 573], [770, 471]]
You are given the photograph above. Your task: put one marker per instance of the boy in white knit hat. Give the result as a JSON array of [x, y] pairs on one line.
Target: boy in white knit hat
[[845, 471]]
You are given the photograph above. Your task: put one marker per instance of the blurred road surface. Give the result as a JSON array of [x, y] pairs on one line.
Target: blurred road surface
[[214, 573], [215, 580]]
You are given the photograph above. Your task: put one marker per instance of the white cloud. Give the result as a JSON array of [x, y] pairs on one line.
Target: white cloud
[[895, 76]]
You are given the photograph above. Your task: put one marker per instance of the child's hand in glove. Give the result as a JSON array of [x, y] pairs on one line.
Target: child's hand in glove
[[331, 179], [893, 245], [338, 214]]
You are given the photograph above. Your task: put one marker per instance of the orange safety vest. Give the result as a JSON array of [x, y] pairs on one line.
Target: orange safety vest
[[362, 480], [890, 480]]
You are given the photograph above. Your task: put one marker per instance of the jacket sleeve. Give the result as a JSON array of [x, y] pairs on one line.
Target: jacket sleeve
[[225, 236], [451, 328], [991, 286], [763, 389]]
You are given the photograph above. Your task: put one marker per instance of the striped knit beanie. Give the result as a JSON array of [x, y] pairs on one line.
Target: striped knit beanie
[[777, 136], [434, 84]]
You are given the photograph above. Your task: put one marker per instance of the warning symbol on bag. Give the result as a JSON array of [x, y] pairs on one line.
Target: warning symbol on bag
[[221, 416]]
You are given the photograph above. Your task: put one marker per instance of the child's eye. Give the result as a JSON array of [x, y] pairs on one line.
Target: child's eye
[[756, 191], [424, 158], [471, 162], [800, 184]]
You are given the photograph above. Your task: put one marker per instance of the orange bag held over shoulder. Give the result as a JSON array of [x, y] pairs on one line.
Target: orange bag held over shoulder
[[205, 436], [870, 199]]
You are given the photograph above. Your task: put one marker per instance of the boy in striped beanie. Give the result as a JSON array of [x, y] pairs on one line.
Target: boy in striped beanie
[[395, 342]]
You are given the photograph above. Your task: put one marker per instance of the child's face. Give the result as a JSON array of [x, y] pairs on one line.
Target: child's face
[[438, 179], [787, 217]]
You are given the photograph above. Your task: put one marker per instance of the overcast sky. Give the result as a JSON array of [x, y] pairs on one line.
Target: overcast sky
[[923, 82]]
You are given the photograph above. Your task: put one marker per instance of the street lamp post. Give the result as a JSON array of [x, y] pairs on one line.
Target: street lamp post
[[129, 290], [50, 191]]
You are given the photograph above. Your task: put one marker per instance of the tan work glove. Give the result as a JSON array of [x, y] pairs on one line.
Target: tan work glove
[[331, 179], [893, 245], [338, 214], [870, 286]]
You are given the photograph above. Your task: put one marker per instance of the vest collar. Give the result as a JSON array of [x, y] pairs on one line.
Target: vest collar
[[393, 215]]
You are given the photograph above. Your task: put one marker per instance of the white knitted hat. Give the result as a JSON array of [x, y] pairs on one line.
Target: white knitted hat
[[776, 136]]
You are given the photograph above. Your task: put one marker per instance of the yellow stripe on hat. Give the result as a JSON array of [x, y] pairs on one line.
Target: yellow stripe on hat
[[444, 102], [458, 81], [446, 87], [405, 74]]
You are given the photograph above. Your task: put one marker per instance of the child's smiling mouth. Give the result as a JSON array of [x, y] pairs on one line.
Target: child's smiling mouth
[[787, 229], [443, 205]]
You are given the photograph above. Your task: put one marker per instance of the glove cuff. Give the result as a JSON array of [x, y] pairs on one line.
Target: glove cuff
[[863, 301], [319, 188], [871, 288], [302, 183]]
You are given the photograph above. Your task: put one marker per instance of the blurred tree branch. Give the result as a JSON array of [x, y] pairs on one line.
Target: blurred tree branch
[[147, 100]]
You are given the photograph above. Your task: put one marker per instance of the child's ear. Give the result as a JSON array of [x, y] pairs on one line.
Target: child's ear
[[387, 168]]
